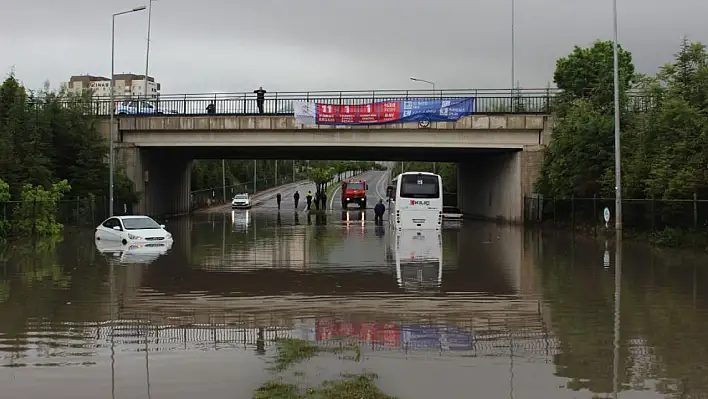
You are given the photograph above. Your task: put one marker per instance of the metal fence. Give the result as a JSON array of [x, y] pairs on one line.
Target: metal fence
[[640, 214], [215, 195], [84, 212], [490, 101]]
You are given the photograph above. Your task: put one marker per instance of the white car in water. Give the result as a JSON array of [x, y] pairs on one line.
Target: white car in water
[[241, 201], [134, 230]]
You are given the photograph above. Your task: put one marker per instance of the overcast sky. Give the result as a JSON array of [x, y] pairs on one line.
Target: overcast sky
[[299, 45]]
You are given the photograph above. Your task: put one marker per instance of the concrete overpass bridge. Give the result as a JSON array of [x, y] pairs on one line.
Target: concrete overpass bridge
[[498, 147]]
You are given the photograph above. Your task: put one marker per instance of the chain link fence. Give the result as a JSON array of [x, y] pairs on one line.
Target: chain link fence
[[18, 217], [220, 195], [639, 214]]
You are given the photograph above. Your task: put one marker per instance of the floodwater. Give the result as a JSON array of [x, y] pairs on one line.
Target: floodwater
[[488, 311]]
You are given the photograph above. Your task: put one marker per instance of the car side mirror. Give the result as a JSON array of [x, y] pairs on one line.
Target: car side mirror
[[162, 225], [117, 228]]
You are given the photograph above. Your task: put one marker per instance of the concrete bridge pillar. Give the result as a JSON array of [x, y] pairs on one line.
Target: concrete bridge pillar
[[493, 186], [162, 177]]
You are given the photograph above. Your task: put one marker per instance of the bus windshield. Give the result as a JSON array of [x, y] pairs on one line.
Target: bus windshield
[[420, 186]]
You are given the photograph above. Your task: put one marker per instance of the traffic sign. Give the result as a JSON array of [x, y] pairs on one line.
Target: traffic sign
[[606, 215]]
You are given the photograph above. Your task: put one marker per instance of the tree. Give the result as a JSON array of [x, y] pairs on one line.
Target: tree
[[37, 209], [588, 73]]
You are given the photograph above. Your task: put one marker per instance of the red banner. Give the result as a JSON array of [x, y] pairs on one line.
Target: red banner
[[383, 112], [382, 334]]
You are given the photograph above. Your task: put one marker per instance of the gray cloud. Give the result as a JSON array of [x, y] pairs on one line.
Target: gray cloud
[[285, 45]]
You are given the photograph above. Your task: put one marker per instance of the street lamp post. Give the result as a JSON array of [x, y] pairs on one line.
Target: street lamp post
[[618, 152], [513, 45], [111, 157], [432, 84], [147, 50]]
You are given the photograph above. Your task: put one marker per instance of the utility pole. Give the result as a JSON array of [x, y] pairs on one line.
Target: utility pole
[[618, 152], [223, 178], [147, 50], [255, 165], [276, 172]]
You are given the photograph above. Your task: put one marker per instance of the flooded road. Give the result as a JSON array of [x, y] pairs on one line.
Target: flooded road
[[490, 311]]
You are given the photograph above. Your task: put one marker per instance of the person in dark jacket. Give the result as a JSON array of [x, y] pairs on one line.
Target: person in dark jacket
[[379, 210], [296, 198], [316, 200], [277, 199], [211, 108], [308, 199], [260, 98], [324, 200]]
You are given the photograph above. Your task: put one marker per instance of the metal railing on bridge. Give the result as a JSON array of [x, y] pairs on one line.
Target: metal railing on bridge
[[487, 101]]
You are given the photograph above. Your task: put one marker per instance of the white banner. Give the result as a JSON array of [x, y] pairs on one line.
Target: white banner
[[304, 112]]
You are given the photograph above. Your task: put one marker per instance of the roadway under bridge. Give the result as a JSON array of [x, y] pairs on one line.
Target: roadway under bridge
[[498, 156]]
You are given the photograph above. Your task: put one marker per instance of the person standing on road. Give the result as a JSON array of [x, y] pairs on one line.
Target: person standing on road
[[277, 199], [379, 210], [316, 200], [260, 98], [296, 198], [324, 200], [308, 199]]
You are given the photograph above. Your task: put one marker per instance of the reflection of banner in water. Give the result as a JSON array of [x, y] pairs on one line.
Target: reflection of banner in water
[[383, 334], [431, 337], [399, 111]]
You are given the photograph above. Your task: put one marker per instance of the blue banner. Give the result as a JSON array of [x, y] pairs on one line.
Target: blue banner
[[438, 110], [395, 111]]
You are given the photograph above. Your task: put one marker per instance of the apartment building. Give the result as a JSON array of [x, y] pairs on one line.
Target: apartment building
[[126, 85]]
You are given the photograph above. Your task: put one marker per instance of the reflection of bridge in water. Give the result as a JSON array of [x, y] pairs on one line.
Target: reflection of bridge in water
[[487, 273], [388, 336]]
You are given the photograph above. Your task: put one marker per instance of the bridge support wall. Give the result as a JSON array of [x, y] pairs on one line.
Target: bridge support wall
[[494, 186], [162, 177]]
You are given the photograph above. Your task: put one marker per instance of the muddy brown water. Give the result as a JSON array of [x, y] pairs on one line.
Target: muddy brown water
[[489, 311]]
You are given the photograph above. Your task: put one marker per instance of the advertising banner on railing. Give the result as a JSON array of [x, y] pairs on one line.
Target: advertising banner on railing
[[398, 111]]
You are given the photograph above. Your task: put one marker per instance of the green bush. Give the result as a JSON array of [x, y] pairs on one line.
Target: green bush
[[37, 211]]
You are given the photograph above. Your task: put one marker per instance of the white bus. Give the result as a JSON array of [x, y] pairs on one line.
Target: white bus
[[416, 201], [419, 261]]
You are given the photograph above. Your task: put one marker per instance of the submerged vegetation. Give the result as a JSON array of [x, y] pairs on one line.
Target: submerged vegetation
[[348, 386]]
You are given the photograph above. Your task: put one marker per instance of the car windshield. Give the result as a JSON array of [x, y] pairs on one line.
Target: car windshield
[[241, 196], [355, 186], [140, 224]]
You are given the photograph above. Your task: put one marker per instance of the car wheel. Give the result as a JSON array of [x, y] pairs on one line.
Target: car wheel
[[122, 113], [344, 205], [363, 205]]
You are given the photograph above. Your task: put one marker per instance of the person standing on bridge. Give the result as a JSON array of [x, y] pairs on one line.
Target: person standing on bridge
[[379, 210], [277, 199], [296, 198], [308, 199], [260, 98]]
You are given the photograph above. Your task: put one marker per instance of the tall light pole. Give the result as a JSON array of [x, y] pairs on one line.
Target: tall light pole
[[147, 50], [113, 84], [513, 45], [618, 152], [425, 81], [435, 166]]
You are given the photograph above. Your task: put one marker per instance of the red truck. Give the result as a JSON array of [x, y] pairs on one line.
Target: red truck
[[354, 192]]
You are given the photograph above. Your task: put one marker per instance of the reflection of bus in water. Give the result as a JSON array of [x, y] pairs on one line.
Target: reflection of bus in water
[[418, 257], [416, 201]]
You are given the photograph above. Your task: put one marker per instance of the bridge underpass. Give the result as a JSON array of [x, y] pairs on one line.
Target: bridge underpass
[[499, 157]]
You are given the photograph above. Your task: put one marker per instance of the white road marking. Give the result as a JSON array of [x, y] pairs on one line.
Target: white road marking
[[379, 184]]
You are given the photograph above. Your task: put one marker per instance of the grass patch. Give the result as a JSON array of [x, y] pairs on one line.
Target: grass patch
[[276, 390], [351, 386], [291, 351]]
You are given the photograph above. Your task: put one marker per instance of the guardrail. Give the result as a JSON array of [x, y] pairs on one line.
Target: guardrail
[[488, 101]]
